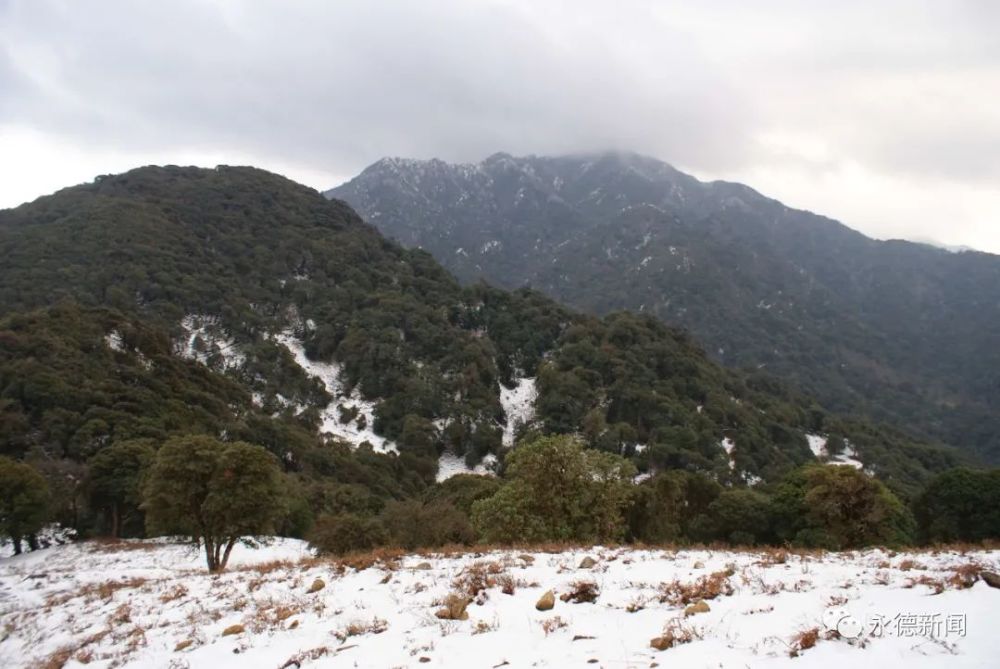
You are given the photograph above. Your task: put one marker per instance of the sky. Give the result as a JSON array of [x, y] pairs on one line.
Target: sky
[[884, 114]]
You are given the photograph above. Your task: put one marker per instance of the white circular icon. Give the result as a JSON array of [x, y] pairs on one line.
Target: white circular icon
[[843, 622]]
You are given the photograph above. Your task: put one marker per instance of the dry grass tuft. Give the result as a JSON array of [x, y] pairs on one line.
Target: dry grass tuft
[[476, 579], [550, 625], [173, 593], [804, 640], [359, 627], [581, 592], [707, 587], [675, 633], [301, 657]]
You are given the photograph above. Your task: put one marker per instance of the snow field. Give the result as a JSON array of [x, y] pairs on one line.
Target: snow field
[[151, 604]]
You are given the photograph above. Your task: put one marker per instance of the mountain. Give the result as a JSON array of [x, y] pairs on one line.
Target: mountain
[[235, 302], [898, 332]]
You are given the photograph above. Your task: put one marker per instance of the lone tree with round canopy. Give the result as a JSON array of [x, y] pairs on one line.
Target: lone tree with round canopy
[[217, 492]]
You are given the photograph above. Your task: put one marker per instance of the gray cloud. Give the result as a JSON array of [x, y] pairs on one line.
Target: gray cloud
[[905, 91]]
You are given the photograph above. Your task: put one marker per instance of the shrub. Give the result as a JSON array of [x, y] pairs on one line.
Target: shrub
[[557, 490], [741, 516], [414, 524], [960, 505], [346, 533], [839, 507]]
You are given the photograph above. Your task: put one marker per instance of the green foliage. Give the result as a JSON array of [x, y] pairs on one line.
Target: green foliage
[[463, 490], [115, 484], [346, 533], [960, 505], [414, 524], [217, 492], [24, 497], [671, 506], [741, 517], [556, 490], [839, 507]]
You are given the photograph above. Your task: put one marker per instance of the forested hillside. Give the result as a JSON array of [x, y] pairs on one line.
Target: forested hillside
[[899, 332], [233, 303]]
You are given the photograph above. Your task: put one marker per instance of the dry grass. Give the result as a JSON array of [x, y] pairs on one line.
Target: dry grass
[[110, 545], [104, 591], [581, 592], [301, 657], [476, 579], [360, 627], [675, 633], [802, 641], [708, 587], [174, 593], [965, 576], [550, 625]]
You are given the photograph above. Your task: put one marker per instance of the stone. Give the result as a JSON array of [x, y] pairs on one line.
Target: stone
[[233, 629], [587, 562], [316, 586], [701, 606], [546, 602], [424, 566], [992, 579], [183, 644], [661, 643]]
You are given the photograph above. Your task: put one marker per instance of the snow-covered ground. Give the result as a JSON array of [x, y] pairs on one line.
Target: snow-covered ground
[[450, 464], [849, 456], [150, 604], [328, 374], [203, 337], [518, 405]]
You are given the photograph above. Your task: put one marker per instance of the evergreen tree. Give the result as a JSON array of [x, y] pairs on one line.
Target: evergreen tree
[[115, 482], [24, 498], [217, 492]]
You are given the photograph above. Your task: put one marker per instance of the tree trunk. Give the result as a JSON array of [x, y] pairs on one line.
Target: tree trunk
[[225, 556], [115, 520], [210, 556], [33, 541], [17, 544]]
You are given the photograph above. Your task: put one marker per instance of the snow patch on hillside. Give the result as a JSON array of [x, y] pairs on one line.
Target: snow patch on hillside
[[204, 339], [728, 445], [328, 373], [848, 457], [817, 445], [450, 464], [115, 341], [518, 405], [151, 604]]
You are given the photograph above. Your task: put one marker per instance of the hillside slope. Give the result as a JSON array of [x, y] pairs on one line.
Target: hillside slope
[[899, 332], [325, 326]]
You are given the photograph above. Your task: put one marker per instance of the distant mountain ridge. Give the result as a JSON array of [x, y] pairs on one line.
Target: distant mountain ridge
[[898, 331], [235, 302]]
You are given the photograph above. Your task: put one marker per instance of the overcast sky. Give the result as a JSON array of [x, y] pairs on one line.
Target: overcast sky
[[884, 114]]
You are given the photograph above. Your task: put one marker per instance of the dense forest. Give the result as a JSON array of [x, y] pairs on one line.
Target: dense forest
[[901, 333], [100, 366]]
